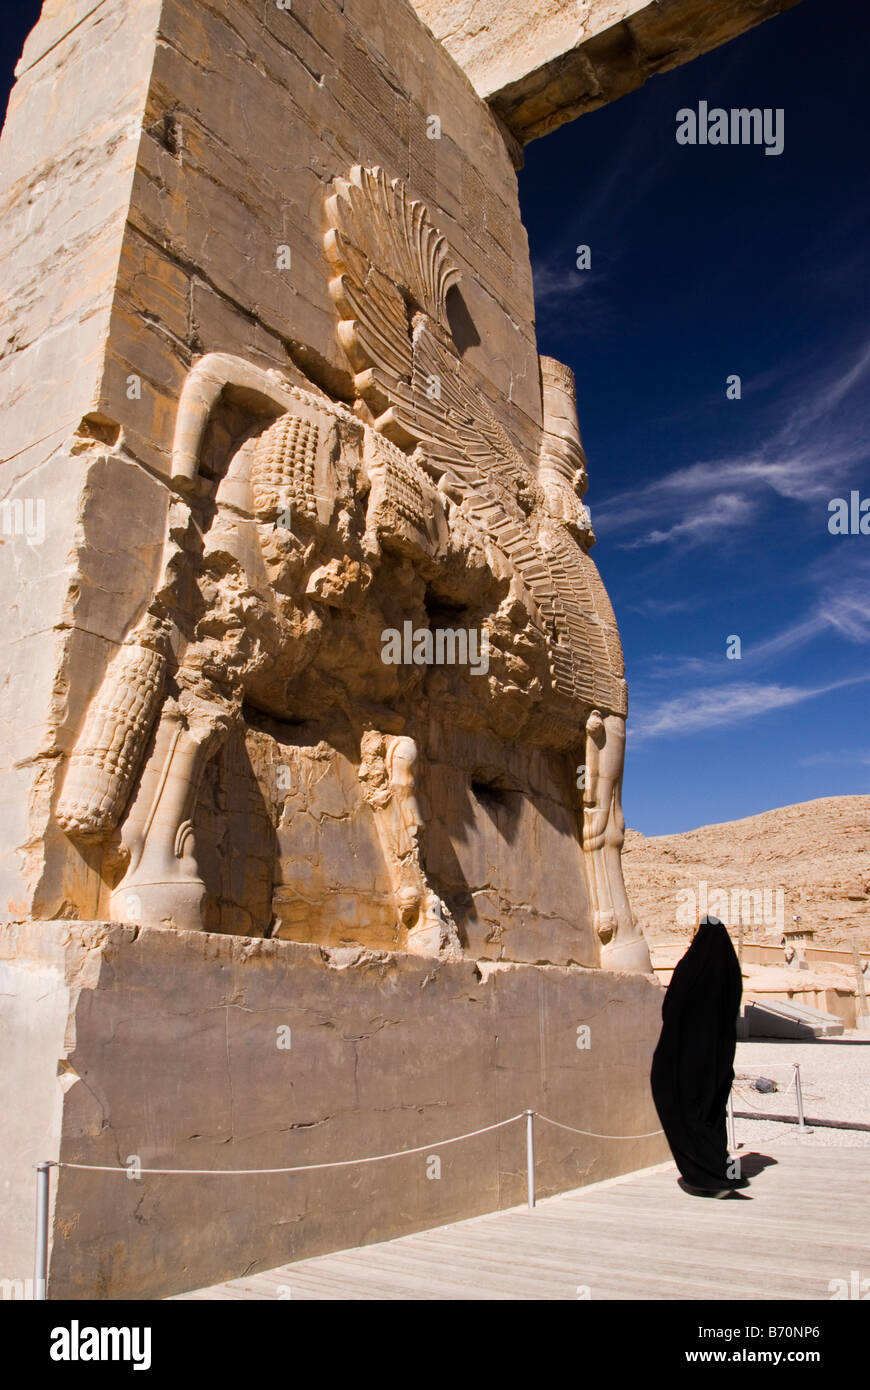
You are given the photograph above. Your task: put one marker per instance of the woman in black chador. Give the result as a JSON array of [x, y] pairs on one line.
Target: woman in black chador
[[693, 1065]]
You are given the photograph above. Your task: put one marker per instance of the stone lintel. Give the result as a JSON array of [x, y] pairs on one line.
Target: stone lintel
[[542, 64]]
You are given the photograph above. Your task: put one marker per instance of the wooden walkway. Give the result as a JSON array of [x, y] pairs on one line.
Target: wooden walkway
[[804, 1221]]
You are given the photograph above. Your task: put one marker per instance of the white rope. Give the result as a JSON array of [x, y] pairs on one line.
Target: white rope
[[769, 1066], [743, 1100], [304, 1168], [378, 1158], [590, 1134], [780, 1090], [746, 1101]]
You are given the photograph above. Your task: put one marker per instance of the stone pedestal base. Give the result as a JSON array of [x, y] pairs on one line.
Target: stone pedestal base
[[194, 1050]]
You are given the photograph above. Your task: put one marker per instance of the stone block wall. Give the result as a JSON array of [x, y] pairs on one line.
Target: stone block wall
[[165, 1046]]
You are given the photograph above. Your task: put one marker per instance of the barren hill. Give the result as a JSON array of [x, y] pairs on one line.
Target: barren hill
[[817, 853]]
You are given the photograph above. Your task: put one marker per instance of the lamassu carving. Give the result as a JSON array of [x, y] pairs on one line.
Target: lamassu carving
[[289, 551]]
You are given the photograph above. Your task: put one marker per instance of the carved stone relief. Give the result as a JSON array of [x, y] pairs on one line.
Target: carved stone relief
[[289, 556]]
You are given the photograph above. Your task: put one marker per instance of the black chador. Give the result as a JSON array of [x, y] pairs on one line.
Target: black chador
[[693, 1065]]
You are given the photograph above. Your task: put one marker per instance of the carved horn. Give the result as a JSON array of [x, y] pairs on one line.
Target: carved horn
[[201, 391]]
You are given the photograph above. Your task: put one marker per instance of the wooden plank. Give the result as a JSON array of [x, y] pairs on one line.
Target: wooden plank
[[631, 1237]]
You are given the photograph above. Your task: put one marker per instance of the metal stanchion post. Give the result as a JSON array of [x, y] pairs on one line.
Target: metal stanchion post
[[530, 1155], [732, 1141], [802, 1125], [40, 1259]]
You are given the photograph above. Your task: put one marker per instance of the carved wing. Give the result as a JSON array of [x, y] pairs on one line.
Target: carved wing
[[392, 276]]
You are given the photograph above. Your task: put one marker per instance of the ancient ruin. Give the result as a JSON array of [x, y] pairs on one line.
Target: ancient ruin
[[315, 708], [253, 694]]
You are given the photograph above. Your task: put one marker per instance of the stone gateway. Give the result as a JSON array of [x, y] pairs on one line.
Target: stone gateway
[[272, 391]]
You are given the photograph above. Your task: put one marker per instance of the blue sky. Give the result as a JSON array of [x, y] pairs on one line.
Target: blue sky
[[712, 514]]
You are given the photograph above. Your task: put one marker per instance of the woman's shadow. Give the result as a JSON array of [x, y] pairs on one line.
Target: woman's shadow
[[750, 1165], [754, 1163]]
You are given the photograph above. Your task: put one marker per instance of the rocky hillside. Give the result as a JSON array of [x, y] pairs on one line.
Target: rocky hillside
[[817, 852]]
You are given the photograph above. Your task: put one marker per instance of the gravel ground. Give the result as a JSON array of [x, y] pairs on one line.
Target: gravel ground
[[835, 1081]]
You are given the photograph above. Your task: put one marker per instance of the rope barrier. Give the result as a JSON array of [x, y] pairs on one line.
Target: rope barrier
[[770, 1066], [43, 1173], [590, 1133], [302, 1168], [746, 1101], [378, 1158], [43, 1169]]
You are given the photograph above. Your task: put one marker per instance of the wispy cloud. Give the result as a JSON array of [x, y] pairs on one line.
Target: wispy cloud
[[847, 611], [664, 608], [555, 276], [830, 394], [718, 706], [841, 610], [845, 758], [559, 285], [799, 462], [699, 523]]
